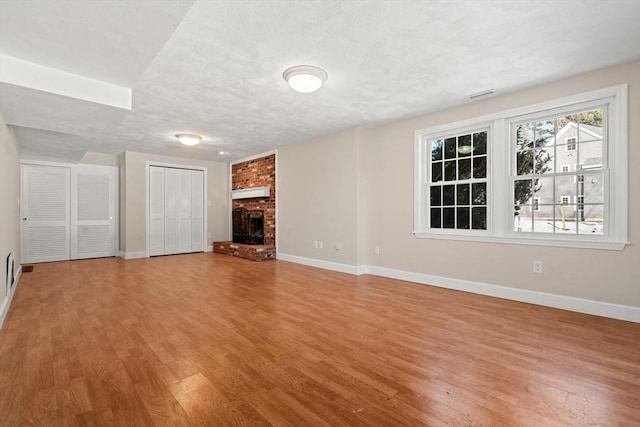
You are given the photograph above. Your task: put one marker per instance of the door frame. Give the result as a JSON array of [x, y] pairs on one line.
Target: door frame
[[116, 195], [148, 194]]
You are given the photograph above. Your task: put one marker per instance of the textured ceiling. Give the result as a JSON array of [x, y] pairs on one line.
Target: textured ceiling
[[218, 73]]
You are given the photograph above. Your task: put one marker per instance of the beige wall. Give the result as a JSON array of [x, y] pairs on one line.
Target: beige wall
[[133, 198], [10, 206], [322, 200], [317, 188], [600, 275]]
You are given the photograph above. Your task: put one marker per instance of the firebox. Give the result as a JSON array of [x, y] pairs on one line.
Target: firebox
[[248, 226]]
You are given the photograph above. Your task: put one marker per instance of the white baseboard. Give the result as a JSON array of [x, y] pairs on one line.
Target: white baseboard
[[4, 310], [327, 265], [580, 305], [209, 248], [131, 255]]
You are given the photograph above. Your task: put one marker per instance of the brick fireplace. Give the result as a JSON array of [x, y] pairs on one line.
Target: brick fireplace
[[260, 172]]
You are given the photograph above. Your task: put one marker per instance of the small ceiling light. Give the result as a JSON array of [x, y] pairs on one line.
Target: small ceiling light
[[222, 153], [305, 78], [188, 138]]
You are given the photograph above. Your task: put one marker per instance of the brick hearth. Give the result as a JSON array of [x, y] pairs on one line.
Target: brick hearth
[[251, 252]]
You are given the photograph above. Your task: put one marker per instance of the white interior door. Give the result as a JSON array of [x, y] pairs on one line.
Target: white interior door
[[156, 211], [45, 213], [197, 211], [176, 210], [171, 200], [92, 212], [184, 210]]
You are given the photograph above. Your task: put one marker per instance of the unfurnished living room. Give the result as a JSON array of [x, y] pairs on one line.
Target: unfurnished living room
[[319, 213]]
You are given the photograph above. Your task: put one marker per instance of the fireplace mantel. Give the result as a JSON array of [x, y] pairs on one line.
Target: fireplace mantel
[[250, 193]]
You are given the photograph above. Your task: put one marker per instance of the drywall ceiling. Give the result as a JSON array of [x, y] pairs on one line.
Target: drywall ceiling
[[215, 67]]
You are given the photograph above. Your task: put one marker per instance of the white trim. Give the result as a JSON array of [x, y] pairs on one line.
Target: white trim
[[580, 305], [6, 304], [253, 157], [132, 255], [209, 248], [250, 193], [327, 265]]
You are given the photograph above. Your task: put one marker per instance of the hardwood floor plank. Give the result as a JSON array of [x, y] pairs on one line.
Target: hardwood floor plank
[[206, 339]]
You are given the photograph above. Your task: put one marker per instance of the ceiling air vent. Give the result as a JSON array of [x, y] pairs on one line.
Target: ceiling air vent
[[480, 94]]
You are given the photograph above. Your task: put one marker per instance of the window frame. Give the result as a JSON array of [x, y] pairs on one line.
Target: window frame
[[501, 154]]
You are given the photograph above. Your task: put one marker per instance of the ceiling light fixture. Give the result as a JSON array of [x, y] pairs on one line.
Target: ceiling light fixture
[[305, 78], [222, 153], [188, 138]]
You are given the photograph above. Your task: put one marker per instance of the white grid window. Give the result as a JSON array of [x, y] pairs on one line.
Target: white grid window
[[532, 195]]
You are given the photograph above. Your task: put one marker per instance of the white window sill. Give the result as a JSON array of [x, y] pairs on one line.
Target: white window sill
[[527, 240]]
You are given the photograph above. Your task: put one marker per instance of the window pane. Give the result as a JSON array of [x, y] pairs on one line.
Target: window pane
[[450, 170], [436, 196], [480, 167], [479, 218], [544, 161], [523, 219], [524, 136], [524, 162], [480, 143], [436, 172], [565, 222], [544, 131], [463, 218], [448, 218], [479, 191], [464, 169], [590, 154], [436, 218], [592, 188], [464, 146], [565, 187], [463, 194], [450, 148], [448, 195], [593, 220], [523, 191], [436, 149], [543, 188]]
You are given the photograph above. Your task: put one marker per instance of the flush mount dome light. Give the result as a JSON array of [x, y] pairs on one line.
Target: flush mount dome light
[[465, 149], [188, 138], [305, 78]]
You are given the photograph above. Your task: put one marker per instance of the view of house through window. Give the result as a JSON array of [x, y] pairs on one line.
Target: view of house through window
[[550, 197]]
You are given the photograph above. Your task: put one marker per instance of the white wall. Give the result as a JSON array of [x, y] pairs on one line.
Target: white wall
[[133, 198], [9, 209], [317, 190], [381, 161]]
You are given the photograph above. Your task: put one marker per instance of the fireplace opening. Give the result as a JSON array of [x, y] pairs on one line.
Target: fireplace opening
[[248, 226]]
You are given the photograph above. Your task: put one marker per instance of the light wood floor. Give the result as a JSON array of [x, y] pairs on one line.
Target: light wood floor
[[207, 339]]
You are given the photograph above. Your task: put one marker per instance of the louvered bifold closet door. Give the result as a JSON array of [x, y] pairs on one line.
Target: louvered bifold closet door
[[92, 212], [45, 213], [171, 220]]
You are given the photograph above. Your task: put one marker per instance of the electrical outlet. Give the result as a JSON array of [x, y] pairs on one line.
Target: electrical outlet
[[315, 244], [320, 244], [376, 250], [537, 267], [338, 246]]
